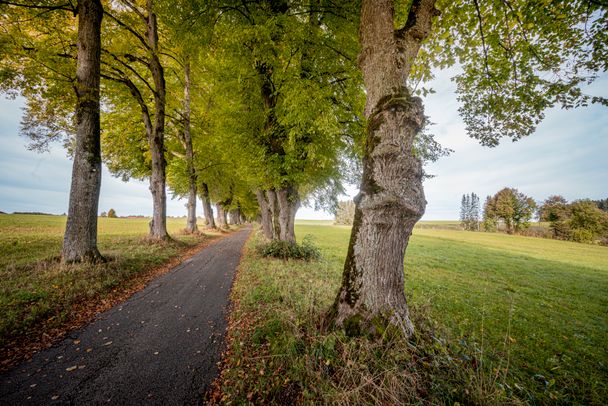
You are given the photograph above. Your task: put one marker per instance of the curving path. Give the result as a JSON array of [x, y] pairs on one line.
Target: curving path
[[159, 347]]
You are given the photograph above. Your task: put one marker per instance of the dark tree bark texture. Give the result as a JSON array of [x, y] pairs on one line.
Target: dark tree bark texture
[[207, 206], [391, 199], [80, 238], [158, 225], [288, 202], [265, 214]]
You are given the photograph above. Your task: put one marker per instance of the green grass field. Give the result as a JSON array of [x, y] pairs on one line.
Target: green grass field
[[533, 312], [38, 294]]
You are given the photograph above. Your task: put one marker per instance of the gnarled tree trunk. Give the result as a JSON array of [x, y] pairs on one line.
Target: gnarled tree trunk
[[391, 199], [265, 213], [158, 225], [207, 206], [80, 238], [191, 226], [288, 202]]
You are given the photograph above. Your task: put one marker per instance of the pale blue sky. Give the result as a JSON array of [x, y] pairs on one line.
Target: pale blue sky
[[567, 155]]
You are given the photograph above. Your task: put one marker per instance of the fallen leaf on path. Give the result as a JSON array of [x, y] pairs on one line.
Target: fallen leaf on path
[[70, 369], [108, 343]]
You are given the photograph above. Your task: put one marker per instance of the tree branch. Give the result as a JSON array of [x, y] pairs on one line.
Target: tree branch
[[65, 7], [117, 59], [131, 30]]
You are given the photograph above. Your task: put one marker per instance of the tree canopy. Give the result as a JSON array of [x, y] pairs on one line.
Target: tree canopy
[[260, 106]]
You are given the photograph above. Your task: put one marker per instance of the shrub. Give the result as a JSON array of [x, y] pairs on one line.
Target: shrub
[[582, 235], [112, 213], [306, 251]]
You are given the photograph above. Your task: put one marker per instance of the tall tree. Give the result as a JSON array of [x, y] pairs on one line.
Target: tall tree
[[464, 209], [469, 212], [294, 83], [517, 60], [134, 44], [511, 207], [40, 66], [391, 199], [80, 240]]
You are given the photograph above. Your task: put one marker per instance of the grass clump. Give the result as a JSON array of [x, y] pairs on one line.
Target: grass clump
[[305, 251]]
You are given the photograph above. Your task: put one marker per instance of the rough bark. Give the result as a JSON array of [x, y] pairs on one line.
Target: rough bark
[[271, 196], [191, 226], [391, 199], [156, 140], [265, 213], [80, 238], [288, 202], [207, 206], [222, 221]]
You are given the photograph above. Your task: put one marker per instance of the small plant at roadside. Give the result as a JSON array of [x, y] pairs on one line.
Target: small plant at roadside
[[306, 251]]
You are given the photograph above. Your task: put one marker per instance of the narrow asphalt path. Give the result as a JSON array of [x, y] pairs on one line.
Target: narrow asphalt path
[[159, 347]]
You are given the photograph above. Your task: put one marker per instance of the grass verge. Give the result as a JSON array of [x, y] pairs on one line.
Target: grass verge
[[504, 320]]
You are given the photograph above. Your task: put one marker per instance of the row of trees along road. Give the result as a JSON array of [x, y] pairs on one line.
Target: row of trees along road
[[258, 106]]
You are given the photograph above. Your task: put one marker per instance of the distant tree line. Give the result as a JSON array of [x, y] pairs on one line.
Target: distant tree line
[[582, 220], [601, 204]]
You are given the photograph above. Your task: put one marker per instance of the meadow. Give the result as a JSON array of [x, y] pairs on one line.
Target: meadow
[[501, 319], [39, 297]]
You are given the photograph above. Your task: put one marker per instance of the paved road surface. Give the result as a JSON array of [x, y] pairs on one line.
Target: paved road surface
[[159, 347]]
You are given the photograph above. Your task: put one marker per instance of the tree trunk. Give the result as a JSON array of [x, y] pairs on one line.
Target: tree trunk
[[237, 216], [271, 196], [265, 213], [222, 221], [158, 225], [207, 206], [191, 226], [80, 238], [289, 202], [391, 199]]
